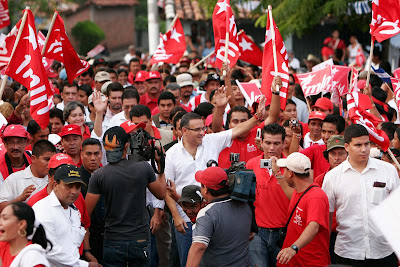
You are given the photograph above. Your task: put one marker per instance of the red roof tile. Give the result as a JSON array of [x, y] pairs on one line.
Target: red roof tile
[[115, 2]]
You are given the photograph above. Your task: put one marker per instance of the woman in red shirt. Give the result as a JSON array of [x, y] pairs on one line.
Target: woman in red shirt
[[22, 243]]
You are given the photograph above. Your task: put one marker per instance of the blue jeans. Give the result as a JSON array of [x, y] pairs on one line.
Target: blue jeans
[[126, 253], [183, 242], [262, 248]]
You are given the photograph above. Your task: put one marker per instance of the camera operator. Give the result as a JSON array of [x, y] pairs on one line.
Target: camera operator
[[272, 198], [123, 184], [216, 240]]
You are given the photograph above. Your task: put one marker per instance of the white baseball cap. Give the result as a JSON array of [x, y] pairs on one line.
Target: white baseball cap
[[184, 79], [296, 162]]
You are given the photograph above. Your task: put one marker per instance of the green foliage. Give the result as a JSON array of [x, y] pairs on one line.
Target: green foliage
[[88, 34], [141, 21]]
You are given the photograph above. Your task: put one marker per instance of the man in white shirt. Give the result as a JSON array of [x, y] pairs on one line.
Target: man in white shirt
[[20, 186], [315, 125], [353, 188], [60, 219], [131, 54], [69, 92], [130, 98]]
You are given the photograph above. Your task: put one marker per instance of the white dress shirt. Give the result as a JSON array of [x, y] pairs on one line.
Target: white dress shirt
[[16, 183], [60, 106], [117, 119], [180, 167], [63, 230], [309, 142], [353, 196]]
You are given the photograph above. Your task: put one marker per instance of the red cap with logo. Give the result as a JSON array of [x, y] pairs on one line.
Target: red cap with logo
[[70, 129], [212, 177], [141, 76], [129, 126], [324, 104], [317, 115], [15, 130], [153, 75], [60, 159]]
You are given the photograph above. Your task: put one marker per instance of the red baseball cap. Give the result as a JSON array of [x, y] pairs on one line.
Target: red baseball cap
[[324, 104], [141, 76], [212, 177], [153, 75], [209, 120], [129, 126], [60, 159], [317, 115], [15, 130], [70, 129]]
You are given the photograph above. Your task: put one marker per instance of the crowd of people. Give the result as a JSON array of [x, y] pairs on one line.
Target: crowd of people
[[86, 191]]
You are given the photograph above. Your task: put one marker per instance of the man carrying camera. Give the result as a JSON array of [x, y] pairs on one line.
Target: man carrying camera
[[272, 198], [123, 184], [217, 241]]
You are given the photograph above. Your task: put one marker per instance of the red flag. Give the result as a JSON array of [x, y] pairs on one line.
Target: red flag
[[396, 73], [385, 19], [340, 82], [268, 70], [96, 50], [60, 48], [4, 14], [172, 45], [223, 22], [46, 61], [7, 45], [354, 81], [26, 67], [360, 57], [250, 92], [313, 83], [366, 119], [396, 90], [249, 51]]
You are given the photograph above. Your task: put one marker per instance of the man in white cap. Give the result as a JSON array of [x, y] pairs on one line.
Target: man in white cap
[[185, 81], [100, 78], [307, 238]]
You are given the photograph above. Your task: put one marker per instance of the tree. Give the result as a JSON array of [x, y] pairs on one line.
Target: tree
[[88, 34]]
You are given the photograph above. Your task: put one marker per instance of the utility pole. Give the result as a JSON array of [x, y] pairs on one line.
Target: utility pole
[[154, 28]]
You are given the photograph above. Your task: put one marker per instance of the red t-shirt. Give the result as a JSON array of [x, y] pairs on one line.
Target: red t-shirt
[[271, 204], [313, 207], [6, 257], [320, 180], [79, 204], [152, 103], [247, 149], [318, 162], [86, 133], [4, 169]]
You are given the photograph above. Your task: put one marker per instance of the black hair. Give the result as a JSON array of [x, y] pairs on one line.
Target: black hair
[[89, 71], [166, 96], [33, 127], [337, 120], [273, 129], [374, 80], [177, 117], [24, 212], [43, 146], [139, 111], [237, 109], [134, 59], [130, 93], [175, 110], [122, 70], [302, 175], [86, 88], [398, 133], [169, 78], [90, 142], [290, 102], [67, 84], [114, 87], [57, 113], [353, 131], [212, 94], [222, 191], [204, 109], [389, 128], [188, 117], [237, 75], [110, 70]]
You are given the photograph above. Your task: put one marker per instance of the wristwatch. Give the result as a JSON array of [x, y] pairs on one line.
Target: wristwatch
[[295, 248]]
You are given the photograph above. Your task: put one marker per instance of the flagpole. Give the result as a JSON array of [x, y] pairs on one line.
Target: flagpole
[[21, 27], [226, 51], [201, 61], [351, 80], [53, 20], [271, 23], [394, 158], [240, 32], [370, 61], [172, 23], [308, 104]]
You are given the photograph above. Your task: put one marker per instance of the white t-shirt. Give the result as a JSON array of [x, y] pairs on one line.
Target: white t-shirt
[[308, 142]]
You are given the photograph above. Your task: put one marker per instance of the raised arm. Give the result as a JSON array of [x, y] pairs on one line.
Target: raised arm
[[100, 107], [275, 107]]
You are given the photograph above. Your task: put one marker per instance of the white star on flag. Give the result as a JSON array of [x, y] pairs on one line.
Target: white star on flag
[[396, 86], [268, 34], [175, 35], [334, 70], [245, 45], [222, 7]]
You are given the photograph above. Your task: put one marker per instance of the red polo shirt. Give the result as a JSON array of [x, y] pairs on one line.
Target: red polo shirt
[[247, 149], [313, 207], [271, 205], [316, 155], [152, 103]]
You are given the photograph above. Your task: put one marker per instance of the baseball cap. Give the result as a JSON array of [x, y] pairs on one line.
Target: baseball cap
[[69, 174], [141, 76], [335, 141], [70, 129], [99, 61], [191, 194], [209, 120], [102, 76], [114, 141], [212, 77], [297, 162], [317, 115], [184, 79], [324, 104], [60, 159], [313, 58], [90, 99], [15, 130], [105, 86], [153, 75], [212, 177], [129, 126]]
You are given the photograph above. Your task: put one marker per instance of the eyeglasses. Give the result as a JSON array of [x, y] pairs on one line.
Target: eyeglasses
[[197, 129], [291, 83]]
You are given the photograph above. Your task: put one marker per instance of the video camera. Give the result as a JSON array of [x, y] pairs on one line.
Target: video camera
[[142, 148]]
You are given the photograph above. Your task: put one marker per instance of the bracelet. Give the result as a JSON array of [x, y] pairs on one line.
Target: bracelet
[[85, 251], [275, 93], [257, 118], [298, 136]]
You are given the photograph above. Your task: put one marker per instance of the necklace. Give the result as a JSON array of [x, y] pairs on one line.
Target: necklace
[[18, 166]]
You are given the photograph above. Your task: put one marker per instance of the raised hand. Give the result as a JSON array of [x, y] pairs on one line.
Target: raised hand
[[221, 100]]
